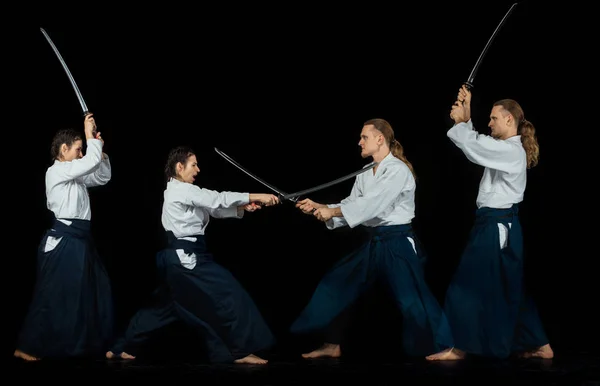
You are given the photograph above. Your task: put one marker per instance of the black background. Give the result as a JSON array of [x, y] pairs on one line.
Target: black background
[[284, 91]]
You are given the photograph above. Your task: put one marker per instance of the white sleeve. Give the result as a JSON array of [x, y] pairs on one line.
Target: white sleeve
[[338, 222], [484, 150], [82, 166], [100, 176], [210, 199], [379, 197], [231, 212]]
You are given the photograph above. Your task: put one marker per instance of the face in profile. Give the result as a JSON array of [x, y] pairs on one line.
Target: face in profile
[[74, 152], [499, 118], [369, 141], [188, 172]]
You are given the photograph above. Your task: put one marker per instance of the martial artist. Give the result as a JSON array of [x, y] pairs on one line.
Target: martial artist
[[382, 201], [194, 288], [485, 303], [71, 313]]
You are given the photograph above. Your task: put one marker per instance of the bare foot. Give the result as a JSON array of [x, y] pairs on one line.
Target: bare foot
[[123, 355], [544, 352], [27, 357], [251, 359], [329, 350], [449, 354]]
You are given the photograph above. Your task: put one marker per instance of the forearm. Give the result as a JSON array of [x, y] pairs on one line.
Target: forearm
[[254, 197], [336, 212], [337, 219]]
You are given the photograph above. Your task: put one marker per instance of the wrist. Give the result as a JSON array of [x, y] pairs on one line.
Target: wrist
[[336, 212]]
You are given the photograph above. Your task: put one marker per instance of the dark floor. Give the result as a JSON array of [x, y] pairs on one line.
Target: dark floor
[[567, 368]]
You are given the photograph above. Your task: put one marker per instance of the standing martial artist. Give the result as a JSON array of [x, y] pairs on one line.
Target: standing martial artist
[[486, 308], [71, 313], [194, 288], [383, 202]]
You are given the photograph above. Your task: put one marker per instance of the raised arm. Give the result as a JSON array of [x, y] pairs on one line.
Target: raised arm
[[101, 175], [484, 150], [478, 148], [70, 170]]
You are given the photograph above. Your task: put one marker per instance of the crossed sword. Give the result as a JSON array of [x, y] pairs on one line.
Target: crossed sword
[[293, 197]]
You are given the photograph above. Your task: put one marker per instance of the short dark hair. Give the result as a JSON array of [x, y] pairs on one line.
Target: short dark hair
[[66, 136], [178, 154]]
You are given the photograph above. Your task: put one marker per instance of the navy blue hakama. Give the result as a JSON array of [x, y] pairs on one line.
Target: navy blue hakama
[[485, 303], [71, 313], [388, 256], [207, 298]]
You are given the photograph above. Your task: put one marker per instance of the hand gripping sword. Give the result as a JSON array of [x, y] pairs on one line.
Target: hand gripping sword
[[471, 79], [293, 197], [64, 65]]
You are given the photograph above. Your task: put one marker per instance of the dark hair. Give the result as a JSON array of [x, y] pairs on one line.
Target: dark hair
[[178, 154], [525, 129], [388, 133], [64, 136]]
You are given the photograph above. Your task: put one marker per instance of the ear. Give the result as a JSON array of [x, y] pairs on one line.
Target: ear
[[179, 167], [510, 119], [63, 149]]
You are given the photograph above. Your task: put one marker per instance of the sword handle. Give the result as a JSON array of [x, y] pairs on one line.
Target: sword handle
[[94, 132], [281, 200], [469, 86]]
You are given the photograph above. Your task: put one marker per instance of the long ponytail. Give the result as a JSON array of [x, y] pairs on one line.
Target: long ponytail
[[525, 129]]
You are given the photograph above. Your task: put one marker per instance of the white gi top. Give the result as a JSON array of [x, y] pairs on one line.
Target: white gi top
[[67, 182], [384, 198], [187, 209], [505, 162]]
